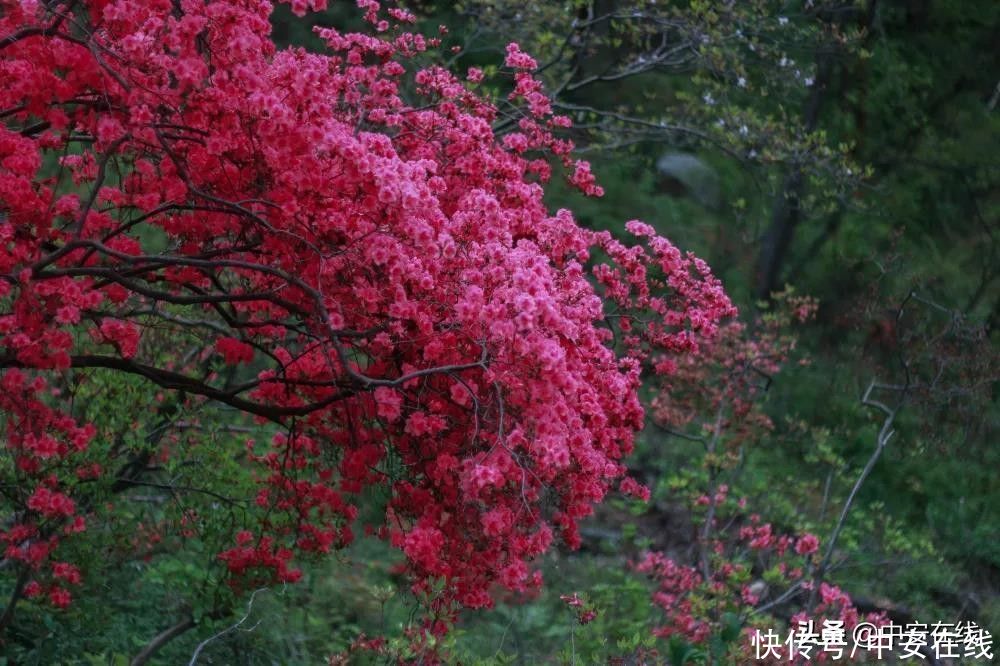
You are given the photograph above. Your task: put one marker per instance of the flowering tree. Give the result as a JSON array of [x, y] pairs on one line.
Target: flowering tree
[[338, 245]]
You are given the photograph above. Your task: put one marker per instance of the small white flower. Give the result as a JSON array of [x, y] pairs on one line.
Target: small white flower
[[720, 122], [809, 81], [741, 82], [782, 20], [783, 62], [708, 99], [744, 130], [752, 154]]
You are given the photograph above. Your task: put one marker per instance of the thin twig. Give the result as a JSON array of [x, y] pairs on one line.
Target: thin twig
[[229, 629]]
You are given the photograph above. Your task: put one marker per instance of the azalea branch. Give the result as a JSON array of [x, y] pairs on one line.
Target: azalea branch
[[169, 379], [50, 30]]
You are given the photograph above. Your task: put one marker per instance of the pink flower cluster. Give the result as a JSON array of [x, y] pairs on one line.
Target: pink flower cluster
[[694, 606]]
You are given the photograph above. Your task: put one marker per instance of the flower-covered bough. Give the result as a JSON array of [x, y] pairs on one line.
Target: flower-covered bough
[[378, 270]]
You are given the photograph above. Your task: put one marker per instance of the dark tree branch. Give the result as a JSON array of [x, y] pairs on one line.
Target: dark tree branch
[[177, 381], [161, 639]]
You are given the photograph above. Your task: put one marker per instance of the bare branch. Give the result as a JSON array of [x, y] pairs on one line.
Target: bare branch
[[230, 629]]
